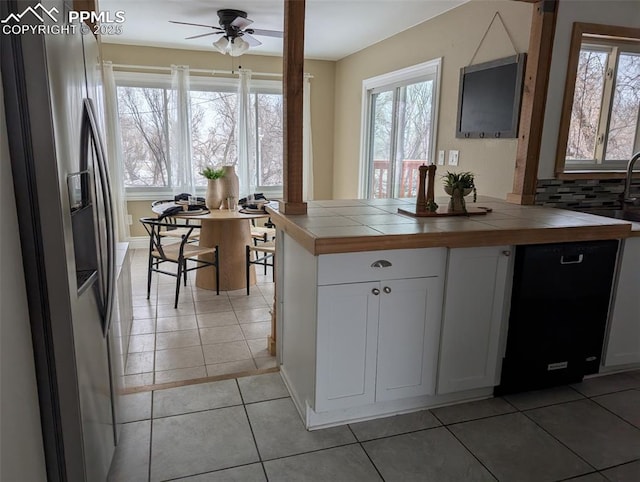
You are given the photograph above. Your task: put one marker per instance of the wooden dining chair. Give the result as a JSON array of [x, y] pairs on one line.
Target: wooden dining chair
[[177, 252], [174, 231], [263, 254], [264, 233]]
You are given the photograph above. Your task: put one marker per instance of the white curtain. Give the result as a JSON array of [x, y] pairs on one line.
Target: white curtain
[[180, 131], [115, 158], [307, 147], [246, 165]]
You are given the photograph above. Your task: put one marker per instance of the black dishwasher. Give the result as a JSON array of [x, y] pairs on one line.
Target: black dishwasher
[[559, 308]]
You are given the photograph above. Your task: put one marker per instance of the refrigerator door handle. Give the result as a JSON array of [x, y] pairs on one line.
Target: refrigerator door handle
[[105, 187]]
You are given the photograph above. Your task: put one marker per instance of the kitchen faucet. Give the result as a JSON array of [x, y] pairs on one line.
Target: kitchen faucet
[[626, 196]]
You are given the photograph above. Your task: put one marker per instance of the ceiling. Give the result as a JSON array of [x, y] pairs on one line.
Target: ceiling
[[333, 30]]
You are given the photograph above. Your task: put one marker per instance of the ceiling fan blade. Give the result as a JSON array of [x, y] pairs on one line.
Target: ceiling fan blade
[[252, 41], [267, 33], [195, 24], [241, 22], [203, 35]]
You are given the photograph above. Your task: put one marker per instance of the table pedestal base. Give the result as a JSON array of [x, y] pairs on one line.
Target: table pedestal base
[[231, 237]]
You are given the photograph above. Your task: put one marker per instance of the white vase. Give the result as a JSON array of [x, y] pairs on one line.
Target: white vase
[[215, 194], [231, 185]]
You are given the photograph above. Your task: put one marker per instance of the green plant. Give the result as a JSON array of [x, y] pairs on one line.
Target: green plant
[[212, 173], [460, 181]]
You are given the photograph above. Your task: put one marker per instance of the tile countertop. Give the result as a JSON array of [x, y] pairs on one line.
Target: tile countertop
[[343, 226]]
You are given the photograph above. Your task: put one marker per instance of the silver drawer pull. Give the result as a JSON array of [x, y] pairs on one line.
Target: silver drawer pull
[[375, 291], [381, 263], [571, 259], [386, 289]]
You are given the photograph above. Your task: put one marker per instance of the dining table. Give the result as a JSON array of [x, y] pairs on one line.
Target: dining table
[[230, 230]]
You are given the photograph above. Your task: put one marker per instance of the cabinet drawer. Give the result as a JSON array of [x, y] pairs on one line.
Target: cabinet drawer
[[381, 265]]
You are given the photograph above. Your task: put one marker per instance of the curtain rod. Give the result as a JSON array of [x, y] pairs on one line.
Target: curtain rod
[[201, 71]]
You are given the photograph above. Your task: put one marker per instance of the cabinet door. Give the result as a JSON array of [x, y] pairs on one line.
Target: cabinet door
[[346, 345], [409, 333], [473, 314], [623, 345]]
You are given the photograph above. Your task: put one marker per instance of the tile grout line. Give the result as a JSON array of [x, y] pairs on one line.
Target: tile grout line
[[150, 438], [559, 441], [365, 452], [446, 427], [253, 435]]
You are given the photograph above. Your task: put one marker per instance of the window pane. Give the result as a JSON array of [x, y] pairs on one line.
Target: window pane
[[381, 126], [587, 100], [144, 144], [415, 132], [624, 111], [213, 130], [269, 149]]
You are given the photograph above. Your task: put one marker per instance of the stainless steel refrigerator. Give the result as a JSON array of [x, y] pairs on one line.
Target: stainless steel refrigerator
[[51, 88]]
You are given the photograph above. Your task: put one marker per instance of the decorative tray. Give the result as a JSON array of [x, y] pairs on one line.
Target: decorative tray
[[443, 211]]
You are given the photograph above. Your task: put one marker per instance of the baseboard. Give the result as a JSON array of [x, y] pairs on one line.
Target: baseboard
[[138, 242]]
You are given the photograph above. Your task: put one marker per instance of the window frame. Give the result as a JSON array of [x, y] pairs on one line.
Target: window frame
[[430, 70], [607, 36], [196, 83]]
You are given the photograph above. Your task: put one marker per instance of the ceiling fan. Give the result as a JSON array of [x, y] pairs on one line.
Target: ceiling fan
[[236, 37]]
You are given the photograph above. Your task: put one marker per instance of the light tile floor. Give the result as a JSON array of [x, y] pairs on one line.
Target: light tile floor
[[207, 335], [247, 429]]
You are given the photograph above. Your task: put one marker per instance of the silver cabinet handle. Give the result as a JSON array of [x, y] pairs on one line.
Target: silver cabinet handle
[[375, 291], [381, 263], [386, 289], [506, 252], [571, 259]]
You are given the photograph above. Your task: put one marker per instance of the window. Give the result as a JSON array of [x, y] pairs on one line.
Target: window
[[145, 110], [399, 124], [603, 127]]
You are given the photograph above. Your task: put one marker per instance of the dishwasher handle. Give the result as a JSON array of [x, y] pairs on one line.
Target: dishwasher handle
[[571, 259]]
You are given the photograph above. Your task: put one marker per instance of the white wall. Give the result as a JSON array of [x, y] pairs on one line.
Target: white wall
[[622, 13], [21, 452]]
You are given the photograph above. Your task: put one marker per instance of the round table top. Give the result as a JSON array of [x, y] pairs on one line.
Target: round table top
[[213, 215]]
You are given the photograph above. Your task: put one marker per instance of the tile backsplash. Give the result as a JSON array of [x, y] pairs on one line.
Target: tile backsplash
[[582, 192]]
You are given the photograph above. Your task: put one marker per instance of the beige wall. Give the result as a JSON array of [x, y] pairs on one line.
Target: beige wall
[[454, 36], [625, 13]]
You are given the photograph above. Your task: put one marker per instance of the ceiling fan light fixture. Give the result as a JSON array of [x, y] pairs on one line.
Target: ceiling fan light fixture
[[237, 47], [221, 45]]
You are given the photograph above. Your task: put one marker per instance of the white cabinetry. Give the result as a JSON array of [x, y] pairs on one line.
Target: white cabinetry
[[377, 340], [473, 318], [623, 345]]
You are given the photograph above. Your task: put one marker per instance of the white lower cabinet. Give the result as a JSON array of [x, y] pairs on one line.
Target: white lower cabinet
[[623, 344], [474, 310], [377, 341]]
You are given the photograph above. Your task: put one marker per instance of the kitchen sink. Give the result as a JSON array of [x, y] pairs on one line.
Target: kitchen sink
[[629, 214]]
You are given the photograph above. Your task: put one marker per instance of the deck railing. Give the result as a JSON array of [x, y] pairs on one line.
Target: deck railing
[[408, 178]]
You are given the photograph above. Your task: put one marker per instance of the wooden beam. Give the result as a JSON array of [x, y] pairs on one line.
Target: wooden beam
[[293, 68], [534, 97]]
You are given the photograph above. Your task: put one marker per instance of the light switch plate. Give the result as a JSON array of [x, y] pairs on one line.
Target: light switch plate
[[440, 158], [453, 158]]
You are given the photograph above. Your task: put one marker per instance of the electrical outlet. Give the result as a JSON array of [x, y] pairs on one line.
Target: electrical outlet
[[440, 158], [129, 219], [453, 158]]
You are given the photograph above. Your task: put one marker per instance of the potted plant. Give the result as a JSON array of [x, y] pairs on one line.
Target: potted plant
[[215, 188], [458, 185]]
